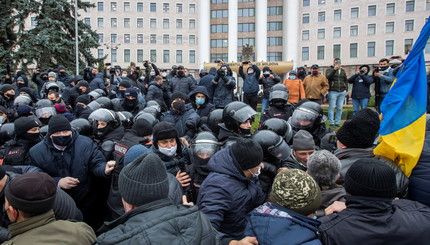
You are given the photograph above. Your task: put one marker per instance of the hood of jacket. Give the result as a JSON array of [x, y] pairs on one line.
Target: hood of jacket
[[199, 89], [212, 71], [223, 162], [368, 69]]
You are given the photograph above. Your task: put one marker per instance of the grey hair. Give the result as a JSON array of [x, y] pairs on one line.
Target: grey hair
[[324, 167]]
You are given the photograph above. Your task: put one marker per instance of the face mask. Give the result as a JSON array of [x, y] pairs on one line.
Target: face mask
[[142, 78], [179, 105], [266, 74], [100, 132], [301, 73], [130, 103], [383, 68], [181, 74], [168, 151], [54, 102], [200, 101], [62, 73], [245, 131], [163, 74], [44, 121], [315, 73], [44, 78], [9, 95], [152, 73], [279, 104], [80, 91], [292, 77], [32, 137], [250, 72], [255, 176], [123, 75], [61, 140]]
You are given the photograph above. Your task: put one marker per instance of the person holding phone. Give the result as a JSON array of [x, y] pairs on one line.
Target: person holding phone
[[338, 88], [250, 83]]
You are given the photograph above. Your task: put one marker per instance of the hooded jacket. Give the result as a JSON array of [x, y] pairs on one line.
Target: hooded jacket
[[206, 81], [179, 119], [207, 107], [98, 82], [250, 80], [361, 84], [223, 88], [268, 82]]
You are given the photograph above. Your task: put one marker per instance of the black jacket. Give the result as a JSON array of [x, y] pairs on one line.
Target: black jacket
[[268, 83], [206, 81], [207, 107], [183, 84], [223, 89], [16, 152], [361, 85]]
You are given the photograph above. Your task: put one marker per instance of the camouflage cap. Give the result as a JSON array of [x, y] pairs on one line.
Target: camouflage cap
[[297, 191]]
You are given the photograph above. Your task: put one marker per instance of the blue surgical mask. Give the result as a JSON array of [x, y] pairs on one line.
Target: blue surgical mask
[[200, 101], [292, 77]]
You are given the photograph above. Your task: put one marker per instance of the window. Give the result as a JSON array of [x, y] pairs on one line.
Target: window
[[371, 29], [139, 38], [113, 6], [179, 8], [353, 30], [192, 39], [336, 51], [192, 56], [153, 38], [306, 3], [246, 12], [321, 33], [245, 41], [166, 7], [389, 27], [246, 0], [274, 10], [320, 52], [320, 2], [100, 53], [353, 50], [140, 55], [219, 28], [126, 6], [305, 35], [408, 45], [126, 22], [126, 38], [153, 55], [87, 21], [219, 1], [354, 13], [192, 24], [409, 25], [371, 10], [100, 22], [305, 18], [391, 8], [219, 43], [274, 41], [139, 8], [274, 26], [166, 23], [153, 7], [153, 23], [321, 16], [113, 38], [389, 47], [337, 14], [427, 48], [139, 22], [223, 13], [126, 55], [166, 39], [101, 38], [166, 56], [113, 22], [113, 55], [192, 9], [337, 1], [178, 39], [337, 32], [179, 23], [410, 6], [100, 6], [305, 53], [427, 8], [370, 49], [178, 56], [274, 56], [246, 27]]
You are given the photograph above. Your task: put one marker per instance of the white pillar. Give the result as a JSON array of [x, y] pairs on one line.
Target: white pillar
[[203, 38], [261, 30], [291, 31], [232, 30]]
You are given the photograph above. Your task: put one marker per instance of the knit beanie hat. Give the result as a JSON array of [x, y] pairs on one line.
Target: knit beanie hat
[[125, 84], [370, 177], [60, 108], [58, 123], [361, 130], [52, 74], [178, 95], [142, 127], [162, 131], [247, 153], [303, 141], [134, 152], [65, 208], [85, 99], [144, 180], [5, 88], [83, 83], [131, 92], [297, 191], [32, 193], [23, 124], [24, 110]]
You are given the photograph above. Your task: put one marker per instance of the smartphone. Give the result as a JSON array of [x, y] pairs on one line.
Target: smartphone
[[108, 64], [217, 61], [245, 62]]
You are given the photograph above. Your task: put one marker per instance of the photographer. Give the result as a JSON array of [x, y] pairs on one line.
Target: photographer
[[224, 84], [90, 73], [268, 79], [384, 77], [360, 88], [250, 83]]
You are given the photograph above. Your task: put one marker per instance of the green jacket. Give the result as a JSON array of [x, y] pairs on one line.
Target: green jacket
[[44, 229], [337, 79]]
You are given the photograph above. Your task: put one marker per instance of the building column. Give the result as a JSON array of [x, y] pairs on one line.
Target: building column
[[291, 31], [203, 39], [232, 30], [261, 30]]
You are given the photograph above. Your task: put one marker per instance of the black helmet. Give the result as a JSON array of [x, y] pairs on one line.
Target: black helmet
[[104, 115], [147, 116], [152, 110], [274, 147], [153, 103], [99, 91], [83, 126], [307, 115], [105, 102], [44, 130], [44, 107], [126, 118], [236, 113], [279, 126], [203, 146], [94, 95], [7, 131], [214, 119], [94, 105], [23, 99], [278, 93], [279, 87]]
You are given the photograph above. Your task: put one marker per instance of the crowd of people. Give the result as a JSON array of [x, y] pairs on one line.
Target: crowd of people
[[151, 156]]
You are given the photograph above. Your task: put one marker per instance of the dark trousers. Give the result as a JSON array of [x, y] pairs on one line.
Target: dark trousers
[[251, 100]]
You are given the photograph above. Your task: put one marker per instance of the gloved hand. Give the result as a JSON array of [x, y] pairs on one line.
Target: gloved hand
[[190, 124]]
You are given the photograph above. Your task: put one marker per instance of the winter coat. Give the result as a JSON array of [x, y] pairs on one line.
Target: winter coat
[[118, 105], [377, 221], [177, 162], [273, 224], [360, 85], [44, 229], [155, 93], [293, 163], [223, 89], [106, 144], [275, 112], [205, 109], [337, 79], [315, 86], [64, 78], [296, 90], [268, 83], [329, 196], [85, 113], [159, 222], [183, 84], [80, 159], [180, 119], [385, 81], [98, 82], [16, 152], [227, 196], [206, 81], [250, 81]]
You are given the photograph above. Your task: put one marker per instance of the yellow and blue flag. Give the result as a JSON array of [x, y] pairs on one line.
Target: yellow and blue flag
[[402, 129]]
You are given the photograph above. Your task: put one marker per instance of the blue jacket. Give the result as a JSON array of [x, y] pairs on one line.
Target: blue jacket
[[290, 228], [250, 81], [206, 81], [223, 89], [227, 196], [97, 82], [360, 85], [179, 119], [386, 80]]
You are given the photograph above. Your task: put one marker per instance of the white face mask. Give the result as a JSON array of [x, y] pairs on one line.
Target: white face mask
[[123, 75], [152, 73], [256, 174], [168, 151]]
